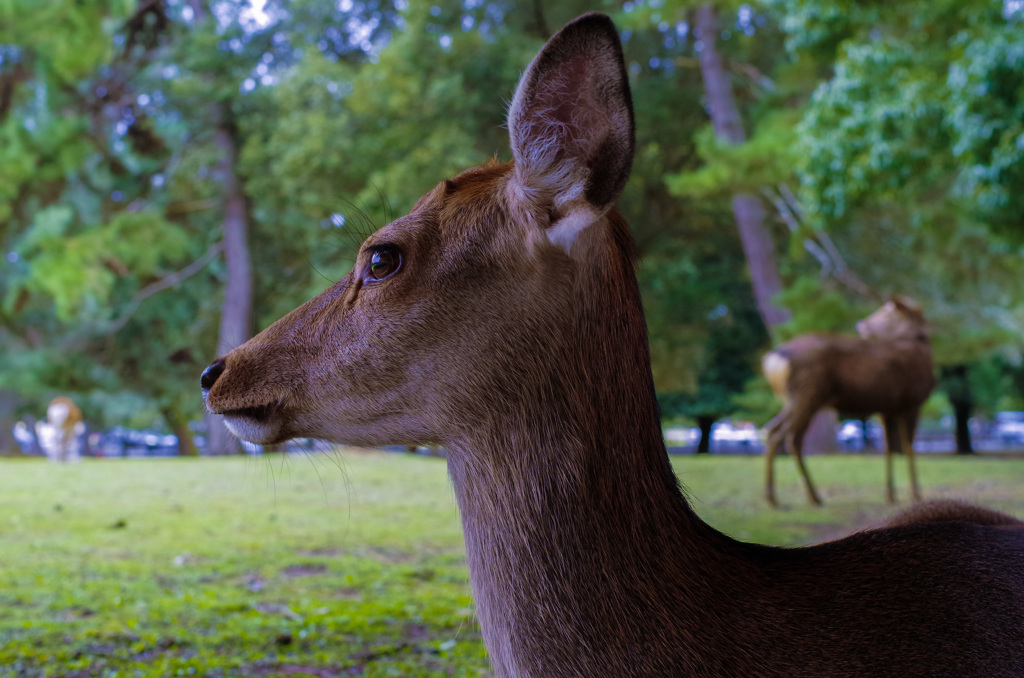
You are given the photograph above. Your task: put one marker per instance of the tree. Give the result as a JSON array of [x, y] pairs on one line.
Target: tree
[[113, 167], [907, 145], [236, 312], [704, 326], [703, 323], [735, 169], [725, 118], [84, 259], [728, 126], [323, 120]]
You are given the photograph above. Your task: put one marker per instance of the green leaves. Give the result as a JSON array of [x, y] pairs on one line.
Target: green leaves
[[923, 103], [81, 271], [766, 160], [872, 131], [900, 123], [908, 155], [986, 93], [41, 156], [66, 39]]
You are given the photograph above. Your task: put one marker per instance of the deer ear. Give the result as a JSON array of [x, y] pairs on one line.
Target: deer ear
[[905, 303], [571, 126]]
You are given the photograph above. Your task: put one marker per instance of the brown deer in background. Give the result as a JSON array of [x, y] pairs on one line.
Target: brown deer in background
[[502, 318], [887, 370], [58, 433]]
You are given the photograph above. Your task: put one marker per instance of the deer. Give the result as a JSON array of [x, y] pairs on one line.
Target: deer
[[501, 317], [886, 370], [58, 434]]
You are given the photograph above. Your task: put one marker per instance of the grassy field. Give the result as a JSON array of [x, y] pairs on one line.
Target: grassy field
[[343, 564]]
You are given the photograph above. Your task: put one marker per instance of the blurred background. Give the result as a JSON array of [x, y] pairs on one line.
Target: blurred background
[[176, 174]]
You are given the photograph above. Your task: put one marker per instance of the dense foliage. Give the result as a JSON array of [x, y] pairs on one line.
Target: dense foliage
[[883, 139]]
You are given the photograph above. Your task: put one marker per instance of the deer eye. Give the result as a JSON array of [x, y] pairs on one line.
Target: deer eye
[[384, 263]]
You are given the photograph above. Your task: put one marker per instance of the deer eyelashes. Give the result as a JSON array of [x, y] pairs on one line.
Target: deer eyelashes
[[385, 261]]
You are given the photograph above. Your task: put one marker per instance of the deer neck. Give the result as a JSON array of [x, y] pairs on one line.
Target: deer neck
[[569, 492], [570, 537]]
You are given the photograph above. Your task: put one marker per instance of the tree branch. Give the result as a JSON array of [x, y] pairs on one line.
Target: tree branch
[[821, 246], [75, 341], [164, 283]]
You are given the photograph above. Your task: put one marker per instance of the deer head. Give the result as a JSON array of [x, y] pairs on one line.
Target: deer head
[[466, 306], [899, 317]]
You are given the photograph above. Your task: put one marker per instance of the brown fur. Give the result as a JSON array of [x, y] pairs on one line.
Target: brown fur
[[947, 510], [887, 370], [514, 335]]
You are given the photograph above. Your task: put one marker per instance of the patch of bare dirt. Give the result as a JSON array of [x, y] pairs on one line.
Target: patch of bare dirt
[[324, 552], [304, 570]]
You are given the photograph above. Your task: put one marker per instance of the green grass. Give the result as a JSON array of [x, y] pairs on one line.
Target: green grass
[[329, 565]]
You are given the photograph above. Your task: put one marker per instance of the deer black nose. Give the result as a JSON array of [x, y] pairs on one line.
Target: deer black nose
[[211, 374]]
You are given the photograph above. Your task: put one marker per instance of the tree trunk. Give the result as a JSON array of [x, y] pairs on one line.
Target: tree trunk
[[86, 448], [705, 423], [8, 446], [956, 382], [865, 435], [179, 427], [236, 316], [541, 24], [748, 210], [235, 319], [820, 437], [962, 411]]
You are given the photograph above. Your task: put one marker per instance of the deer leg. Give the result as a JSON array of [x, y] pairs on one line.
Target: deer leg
[[890, 435], [777, 429], [795, 445], [773, 440], [769, 485], [907, 443]]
